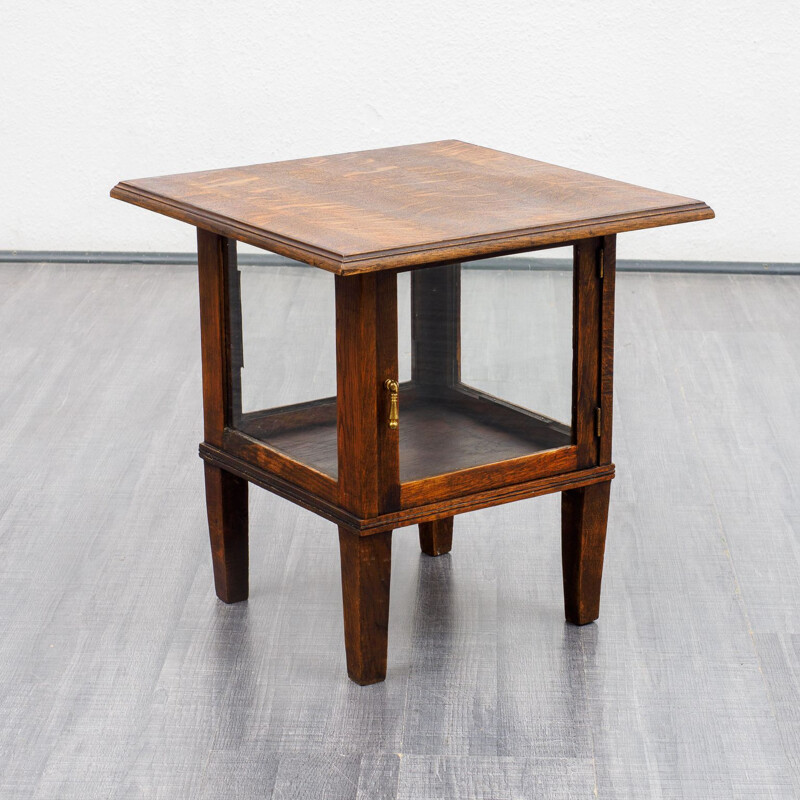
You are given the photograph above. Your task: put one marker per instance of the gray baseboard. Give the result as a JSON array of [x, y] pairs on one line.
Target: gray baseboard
[[505, 262]]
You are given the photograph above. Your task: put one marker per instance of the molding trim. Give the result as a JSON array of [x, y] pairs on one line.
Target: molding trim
[[524, 262]]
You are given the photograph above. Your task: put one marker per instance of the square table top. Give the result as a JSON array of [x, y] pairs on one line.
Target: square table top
[[405, 206]]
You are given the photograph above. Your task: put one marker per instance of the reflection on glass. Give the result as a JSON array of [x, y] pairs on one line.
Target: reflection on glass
[[288, 353], [517, 337], [484, 364], [289, 345], [491, 368]]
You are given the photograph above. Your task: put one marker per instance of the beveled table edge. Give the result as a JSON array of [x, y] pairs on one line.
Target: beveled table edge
[[462, 249]]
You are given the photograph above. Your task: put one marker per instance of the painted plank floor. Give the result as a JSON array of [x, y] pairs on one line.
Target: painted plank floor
[[121, 675]]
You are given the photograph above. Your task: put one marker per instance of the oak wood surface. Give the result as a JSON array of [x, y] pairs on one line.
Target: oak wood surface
[[442, 431], [487, 476], [282, 464], [226, 505], [226, 493], [366, 576], [503, 413], [268, 421], [584, 515], [436, 537], [368, 461], [431, 510], [402, 206], [235, 331], [586, 348], [216, 259]]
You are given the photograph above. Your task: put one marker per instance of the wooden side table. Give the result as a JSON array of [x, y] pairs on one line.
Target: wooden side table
[[381, 455]]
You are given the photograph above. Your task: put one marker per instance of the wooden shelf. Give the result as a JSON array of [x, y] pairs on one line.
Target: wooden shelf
[[442, 430]]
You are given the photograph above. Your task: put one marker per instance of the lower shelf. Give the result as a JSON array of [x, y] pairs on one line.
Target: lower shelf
[[428, 512], [442, 430]]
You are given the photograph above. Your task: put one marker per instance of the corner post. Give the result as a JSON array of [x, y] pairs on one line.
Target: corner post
[[226, 494], [584, 512], [369, 461]]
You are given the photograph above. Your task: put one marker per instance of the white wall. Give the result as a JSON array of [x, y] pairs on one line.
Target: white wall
[[695, 98]]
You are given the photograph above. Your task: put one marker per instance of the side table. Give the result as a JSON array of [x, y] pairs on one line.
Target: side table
[[385, 453]]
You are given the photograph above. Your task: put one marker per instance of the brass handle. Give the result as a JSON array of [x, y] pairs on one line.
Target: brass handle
[[394, 410]]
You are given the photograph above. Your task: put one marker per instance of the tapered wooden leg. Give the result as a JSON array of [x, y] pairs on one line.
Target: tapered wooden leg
[[366, 570], [436, 538], [584, 514], [226, 503]]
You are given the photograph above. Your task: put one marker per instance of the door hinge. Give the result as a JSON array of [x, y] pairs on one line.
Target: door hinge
[[598, 421], [600, 262]]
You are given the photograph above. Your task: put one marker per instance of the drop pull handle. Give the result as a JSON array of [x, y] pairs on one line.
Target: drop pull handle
[[394, 406]]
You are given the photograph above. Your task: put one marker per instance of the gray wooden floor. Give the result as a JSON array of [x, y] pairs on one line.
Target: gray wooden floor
[[122, 676]]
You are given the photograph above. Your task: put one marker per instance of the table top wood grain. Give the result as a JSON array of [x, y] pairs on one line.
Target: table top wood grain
[[405, 206]]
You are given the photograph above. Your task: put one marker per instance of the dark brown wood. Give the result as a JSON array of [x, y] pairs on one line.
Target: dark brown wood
[[365, 216], [584, 514], [281, 464], [506, 413], [486, 476], [366, 356], [586, 349], [404, 206], [226, 503], [366, 573], [607, 347], [436, 537], [436, 325], [444, 432], [408, 516], [262, 424], [288, 488], [216, 258], [235, 334], [226, 493]]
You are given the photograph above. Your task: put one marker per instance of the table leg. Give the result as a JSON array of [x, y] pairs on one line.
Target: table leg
[[220, 336], [436, 359], [584, 515], [366, 571], [226, 503], [584, 512], [369, 461], [436, 538]]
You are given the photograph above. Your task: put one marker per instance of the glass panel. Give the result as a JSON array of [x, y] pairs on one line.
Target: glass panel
[[516, 330], [491, 367], [288, 347], [288, 334], [484, 364]]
